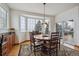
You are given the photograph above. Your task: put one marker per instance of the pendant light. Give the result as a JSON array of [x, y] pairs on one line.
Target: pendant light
[[44, 11], [44, 23]]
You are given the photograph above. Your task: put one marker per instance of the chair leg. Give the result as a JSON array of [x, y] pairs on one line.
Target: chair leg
[[34, 51], [41, 51], [31, 48], [59, 46], [50, 52], [56, 51]]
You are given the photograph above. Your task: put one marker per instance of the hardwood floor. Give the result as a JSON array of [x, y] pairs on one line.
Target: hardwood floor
[[26, 42], [15, 50]]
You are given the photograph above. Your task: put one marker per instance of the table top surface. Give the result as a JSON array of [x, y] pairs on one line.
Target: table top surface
[[41, 37]]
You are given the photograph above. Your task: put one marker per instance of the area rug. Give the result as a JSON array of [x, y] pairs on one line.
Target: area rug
[[64, 51]]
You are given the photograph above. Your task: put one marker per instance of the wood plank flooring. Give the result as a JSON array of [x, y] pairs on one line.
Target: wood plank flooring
[[14, 51]]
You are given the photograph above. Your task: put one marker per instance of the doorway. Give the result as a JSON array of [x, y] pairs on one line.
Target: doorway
[[66, 30]]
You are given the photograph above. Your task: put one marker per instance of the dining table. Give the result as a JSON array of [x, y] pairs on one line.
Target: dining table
[[42, 37], [45, 38]]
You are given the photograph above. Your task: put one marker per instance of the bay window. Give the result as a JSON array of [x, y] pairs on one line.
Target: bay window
[[29, 24]]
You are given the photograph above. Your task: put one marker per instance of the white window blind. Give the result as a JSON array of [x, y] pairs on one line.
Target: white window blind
[[3, 19], [32, 23], [22, 23]]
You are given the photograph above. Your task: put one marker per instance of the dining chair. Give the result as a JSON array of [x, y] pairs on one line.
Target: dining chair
[[51, 46], [59, 38], [34, 43]]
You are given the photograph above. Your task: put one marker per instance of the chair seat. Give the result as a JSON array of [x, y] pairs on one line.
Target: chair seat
[[48, 46], [52, 43], [37, 43]]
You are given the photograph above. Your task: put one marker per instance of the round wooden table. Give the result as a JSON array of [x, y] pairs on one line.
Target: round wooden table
[[42, 38]]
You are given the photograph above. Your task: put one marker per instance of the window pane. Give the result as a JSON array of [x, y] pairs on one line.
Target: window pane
[[30, 24], [1, 23], [23, 24], [3, 19]]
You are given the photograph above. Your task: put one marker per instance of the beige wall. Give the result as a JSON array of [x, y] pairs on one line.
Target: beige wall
[[52, 24], [20, 36]]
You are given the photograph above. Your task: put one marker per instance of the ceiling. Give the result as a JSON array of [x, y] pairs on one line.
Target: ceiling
[[51, 8]]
